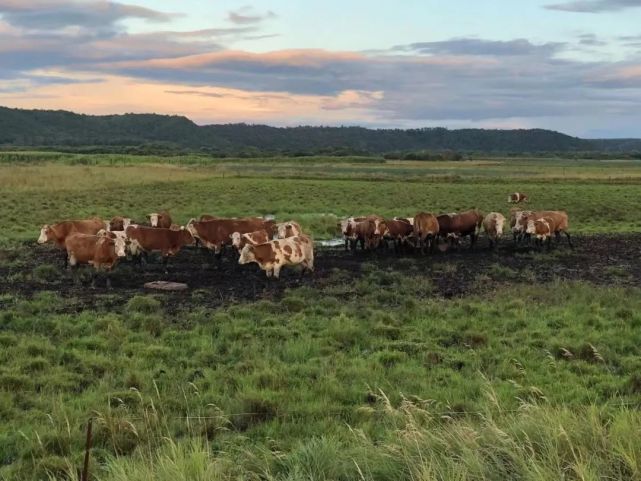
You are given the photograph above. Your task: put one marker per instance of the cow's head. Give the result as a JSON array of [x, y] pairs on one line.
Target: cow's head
[[286, 229], [46, 234], [120, 246], [531, 227], [499, 223], [247, 255], [236, 238], [380, 227], [186, 236], [191, 227], [153, 219]]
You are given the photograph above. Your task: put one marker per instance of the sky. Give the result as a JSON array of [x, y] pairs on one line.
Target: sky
[[567, 65]]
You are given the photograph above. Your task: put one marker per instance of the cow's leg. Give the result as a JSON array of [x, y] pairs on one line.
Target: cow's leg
[[276, 270], [567, 234], [557, 235], [346, 244], [549, 242], [165, 263]]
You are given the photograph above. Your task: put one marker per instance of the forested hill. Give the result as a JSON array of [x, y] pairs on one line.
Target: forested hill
[[40, 128]]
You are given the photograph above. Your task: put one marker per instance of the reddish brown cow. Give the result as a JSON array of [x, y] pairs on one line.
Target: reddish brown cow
[[395, 230], [454, 226], [166, 241], [100, 251], [517, 198], [239, 240], [426, 230], [214, 234], [161, 220], [59, 232]]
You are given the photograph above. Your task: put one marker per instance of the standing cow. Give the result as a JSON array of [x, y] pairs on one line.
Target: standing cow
[[493, 226], [426, 230], [273, 255]]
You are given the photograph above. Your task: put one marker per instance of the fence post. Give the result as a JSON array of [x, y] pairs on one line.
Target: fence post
[[85, 469]]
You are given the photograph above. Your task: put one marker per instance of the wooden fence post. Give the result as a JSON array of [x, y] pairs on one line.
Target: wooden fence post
[[85, 469]]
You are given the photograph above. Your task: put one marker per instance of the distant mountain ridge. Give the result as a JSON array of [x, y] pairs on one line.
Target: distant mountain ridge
[[47, 128]]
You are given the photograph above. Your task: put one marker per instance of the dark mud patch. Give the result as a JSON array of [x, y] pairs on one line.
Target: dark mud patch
[[602, 260]]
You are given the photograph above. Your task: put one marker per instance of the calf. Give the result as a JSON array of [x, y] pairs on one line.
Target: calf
[[160, 219], [273, 255], [493, 226], [542, 230], [100, 251], [288, 229], [426, 230], [517, 198], [239, 241]]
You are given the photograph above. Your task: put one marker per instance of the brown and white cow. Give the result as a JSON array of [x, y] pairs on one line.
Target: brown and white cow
[[465, 224], [396, 230], [214, 234], [155, 239], [426, 230], [357, 229], [288, 229], [542, 230], [119, 223], [99, 251], [517, 198], [239, 241], [58, 233], [493, 224], [160, 219], [516, 224], [557, 219], [273, 255]]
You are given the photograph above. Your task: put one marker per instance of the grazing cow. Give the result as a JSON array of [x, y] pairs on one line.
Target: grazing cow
[[100, 251], [239, 240], [214, 234], [273, 255], [166, 241], [344, 226], [493, 225], [395, 230], [426, 230], [160, 219], [517, 198], [454, 226], [558, 222], [60, 231], [288, 229], [119, 223]]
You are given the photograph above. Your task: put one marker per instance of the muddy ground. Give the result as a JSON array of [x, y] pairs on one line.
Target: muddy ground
[[600, 259]]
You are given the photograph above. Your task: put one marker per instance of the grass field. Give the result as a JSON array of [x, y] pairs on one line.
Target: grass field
[[367, 373], [599, 196]]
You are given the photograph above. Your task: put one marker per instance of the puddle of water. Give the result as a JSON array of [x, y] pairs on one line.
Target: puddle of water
[[338, 241]]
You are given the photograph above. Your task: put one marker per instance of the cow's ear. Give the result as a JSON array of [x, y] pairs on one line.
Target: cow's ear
[[231, 236]]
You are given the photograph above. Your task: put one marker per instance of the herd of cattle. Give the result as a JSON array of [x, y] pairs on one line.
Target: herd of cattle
[[273, 245]]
